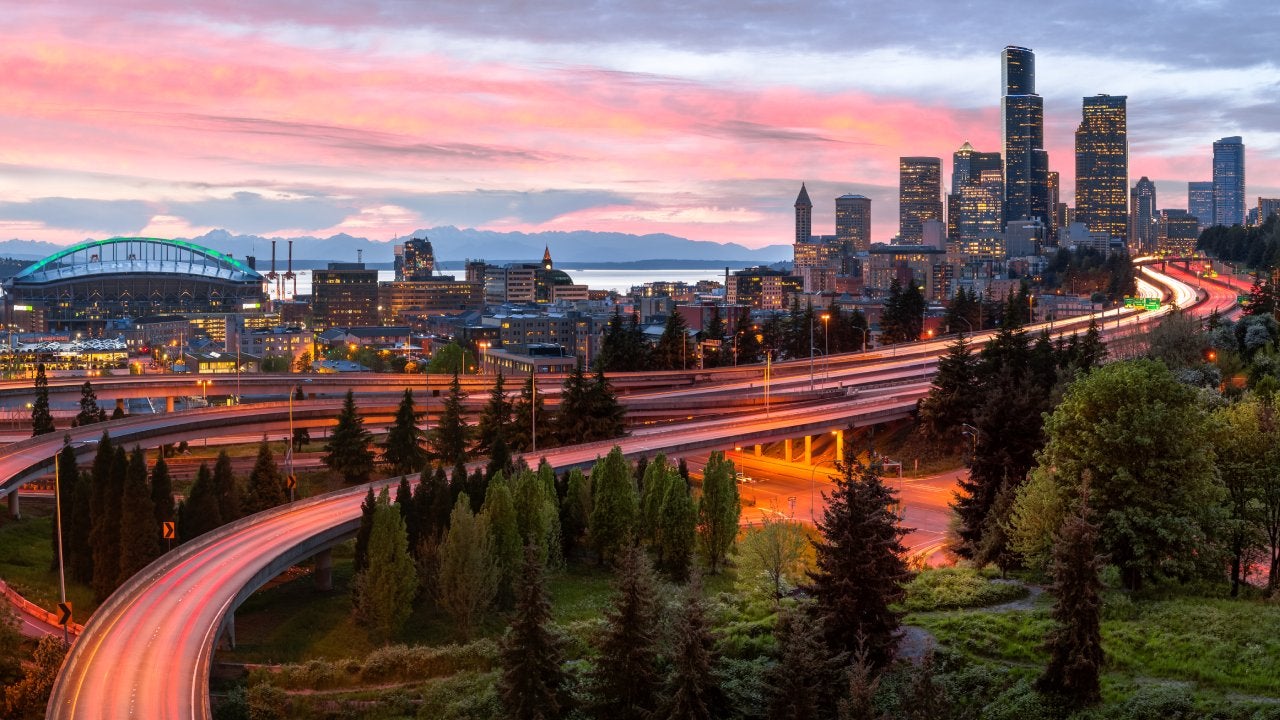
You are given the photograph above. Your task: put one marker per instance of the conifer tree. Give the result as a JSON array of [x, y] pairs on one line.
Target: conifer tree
[[713, 356], [442, 499], [804, 684], [468, 576], [408, 511], [672, 349], [494, 425], [677, 530], [575, 510], [266, 486], [101, 503], [528, 412], [747, 347], [653, 487], [529, 496], [719, 510], [573, 421], [161, 491], [925, 698], [533, 681], [553, 533], [477, 486], [499, 457], [403, 451], [385, 588], [451, 435], [859, 700], [64, 520], [347, 452], [226, 489], [139, 534], [693, 691], [859, 566], [41, 418], [504, 530], [201, 511], [367, 510], [613, 504], [625, 683], [605, 413], [954, 395], [79, 551], [1075, 642], [106, 542], [89, 411]]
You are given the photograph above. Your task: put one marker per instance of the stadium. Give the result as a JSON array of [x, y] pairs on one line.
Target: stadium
[[81, 288]]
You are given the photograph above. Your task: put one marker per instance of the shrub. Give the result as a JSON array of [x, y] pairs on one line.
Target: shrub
[[1160, 702], [952, 588], [466, 696]]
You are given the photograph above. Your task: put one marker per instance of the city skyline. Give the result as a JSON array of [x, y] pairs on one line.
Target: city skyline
[[273, 121]]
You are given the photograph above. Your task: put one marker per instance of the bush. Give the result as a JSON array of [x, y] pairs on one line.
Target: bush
[[466, 696], [952, 588], [1160, 702], [401, 662]]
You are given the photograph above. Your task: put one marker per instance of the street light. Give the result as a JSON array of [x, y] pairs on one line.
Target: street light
[[810, 350], [970, 432], [826, 352], [483, 345], [57, 509], [768, 368], [864, 336]]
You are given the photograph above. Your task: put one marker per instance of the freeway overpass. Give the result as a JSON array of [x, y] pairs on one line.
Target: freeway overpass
[[146, 652]]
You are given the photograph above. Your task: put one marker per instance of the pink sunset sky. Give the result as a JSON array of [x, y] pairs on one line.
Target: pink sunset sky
[[695, 119]]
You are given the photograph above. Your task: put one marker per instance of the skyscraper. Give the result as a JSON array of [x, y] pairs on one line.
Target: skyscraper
[[1055, 197], [415, 260], [853, 223], [1228, 181], [919, 195], [1200, 202], [975, 205], [1102, 166], [804, 216], [1144, 224], [1026, 164]]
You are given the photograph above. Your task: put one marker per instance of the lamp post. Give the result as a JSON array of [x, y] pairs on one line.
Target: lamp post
[[810, 351], [864, 336], [826, 350], [768, 368], [966, 322], [57, 509], [483, 345], [972, 433], [533, 409]]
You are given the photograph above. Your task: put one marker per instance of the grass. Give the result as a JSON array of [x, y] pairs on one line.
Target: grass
[[26, 552], [1222, 647], [953, 588]]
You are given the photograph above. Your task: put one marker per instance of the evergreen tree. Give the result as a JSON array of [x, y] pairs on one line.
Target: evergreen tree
[[101, 503], [692, 690], [747, 347], [385, 588], [719, 510], [89, 411], [67, 514], [859, 700], [677, 530], [612, 356], [613, 509], [653, 484], [78, 550], [41, 418], [573, 421], [1075, 643], [347, 452], [499, 458], [804, 683], [139, 534], [533, 682], [954, 395], [859, 566], [624, 682], [672, 349], [106, 541], [575, 510], [925, 698], [468, 575], [403, 451], [504, 530], [605, 413], [226, 490], [367, 510], [161, 491], [494, 426], [266, 488], [477, 487], [201, 511], [450, 437], [528, 412], [713, 356], [408, 512]]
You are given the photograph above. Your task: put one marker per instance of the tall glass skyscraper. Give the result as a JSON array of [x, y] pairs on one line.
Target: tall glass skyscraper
[[919, 195], [1200, 202], [1144, 223], [1228, 181], [1026, 164], [1102, 166], [975, 205]]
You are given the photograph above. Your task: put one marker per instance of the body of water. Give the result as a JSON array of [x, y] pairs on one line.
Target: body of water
[[618, 280]]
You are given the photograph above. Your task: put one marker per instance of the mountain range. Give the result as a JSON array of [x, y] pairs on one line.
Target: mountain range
[[456, 244]]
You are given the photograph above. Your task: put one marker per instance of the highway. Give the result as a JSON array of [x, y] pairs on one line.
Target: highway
[[146, 652]]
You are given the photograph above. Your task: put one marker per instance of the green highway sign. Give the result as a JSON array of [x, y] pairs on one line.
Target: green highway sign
[[1152, 303]]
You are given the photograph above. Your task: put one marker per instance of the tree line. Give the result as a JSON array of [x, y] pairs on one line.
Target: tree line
[[1257, 246]]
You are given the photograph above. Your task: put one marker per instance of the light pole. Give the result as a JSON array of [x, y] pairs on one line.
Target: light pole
[[966, 322], [810, 350], [768, 367], [533, 409], [972, 433], [864, 336], [826, 351], [57, 509], [483, 345]]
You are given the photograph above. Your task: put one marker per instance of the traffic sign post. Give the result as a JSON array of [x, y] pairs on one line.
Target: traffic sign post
[[167, 530], [64, 613]]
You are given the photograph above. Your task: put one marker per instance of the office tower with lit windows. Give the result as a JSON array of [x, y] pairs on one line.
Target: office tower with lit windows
[[415, 260], [804, 216], [1144, 222], [967, 166], [1228, 181], [853, 223], [919, 196], [1200, 202], [1055, 196], [1026, 164], [1102, 166], [1266, 208]]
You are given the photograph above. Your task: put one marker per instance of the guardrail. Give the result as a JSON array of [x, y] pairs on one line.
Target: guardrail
[[27, 607]]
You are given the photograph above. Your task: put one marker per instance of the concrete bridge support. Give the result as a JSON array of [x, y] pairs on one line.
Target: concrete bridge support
[[839, 445], [324, 570], [168, 404], [14, 511], [808, 449], [758, 450], [789, 456]]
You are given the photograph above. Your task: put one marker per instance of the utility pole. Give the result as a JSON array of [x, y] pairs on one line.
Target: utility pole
[[57, 509], [533, 409]]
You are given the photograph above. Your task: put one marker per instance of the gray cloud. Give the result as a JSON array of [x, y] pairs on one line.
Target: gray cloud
[[479, 207], [108, 216], [248, 212]]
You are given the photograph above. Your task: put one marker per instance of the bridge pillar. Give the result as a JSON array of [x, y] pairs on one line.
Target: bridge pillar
[[324, 570], [790, 457], [168, 404], [14, 511], [120, 404], [808, 449], [840, 445], [758, 451], [229, 628]]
